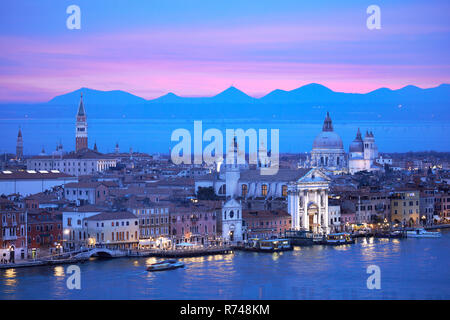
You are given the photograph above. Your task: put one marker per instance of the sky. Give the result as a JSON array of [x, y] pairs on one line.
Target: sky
[[199, 48]]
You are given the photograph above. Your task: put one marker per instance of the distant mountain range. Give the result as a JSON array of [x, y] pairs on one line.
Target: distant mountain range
[[307, 102], [310, 93]]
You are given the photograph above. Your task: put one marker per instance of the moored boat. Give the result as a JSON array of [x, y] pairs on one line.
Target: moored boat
[[268, 245], [422, 233], [335, 239], [390, 235], [165, 265], [299, 237]]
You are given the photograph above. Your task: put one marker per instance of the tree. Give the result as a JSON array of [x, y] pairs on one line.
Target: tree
[[206, 193]]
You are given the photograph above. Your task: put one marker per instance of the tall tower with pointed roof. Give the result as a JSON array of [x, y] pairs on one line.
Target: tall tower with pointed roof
[[19, 145], [81, 134]]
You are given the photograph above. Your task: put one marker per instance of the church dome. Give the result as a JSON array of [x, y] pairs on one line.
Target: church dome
[[327, 139]]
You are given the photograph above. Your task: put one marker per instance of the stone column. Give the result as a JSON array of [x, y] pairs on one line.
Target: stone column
[[305, 209], [326, 217]]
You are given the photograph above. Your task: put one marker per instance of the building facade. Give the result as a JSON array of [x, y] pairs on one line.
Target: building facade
[[232, 230], [405, 207], [82, 162], [308, 202], [114, 230], [13, 235], [86, 192], [265, 223]]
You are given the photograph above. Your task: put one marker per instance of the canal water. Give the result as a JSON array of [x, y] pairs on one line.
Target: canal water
[[410, 269]]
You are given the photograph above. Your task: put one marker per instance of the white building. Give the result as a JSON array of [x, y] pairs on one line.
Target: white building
[[232, 221], [83, 162], [26, 182], [116, 230], [334, 214], [308, 202], [362, 153], [74, 229], [382, 161]]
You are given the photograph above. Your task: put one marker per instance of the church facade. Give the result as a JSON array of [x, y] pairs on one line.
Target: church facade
[[308, 202]]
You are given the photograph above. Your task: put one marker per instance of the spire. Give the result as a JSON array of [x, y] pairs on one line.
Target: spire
[[95, 146], [19, 135], [81, 111], [327, 124], [358, 135]]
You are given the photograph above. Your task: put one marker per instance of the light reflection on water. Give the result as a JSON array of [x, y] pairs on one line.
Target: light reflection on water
[[410, 268]]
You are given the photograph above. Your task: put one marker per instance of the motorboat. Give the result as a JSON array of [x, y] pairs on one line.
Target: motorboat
[[422, 233], [165, 265]]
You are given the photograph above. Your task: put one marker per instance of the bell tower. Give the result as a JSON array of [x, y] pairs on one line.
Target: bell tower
[[81, 135], [19, 146]]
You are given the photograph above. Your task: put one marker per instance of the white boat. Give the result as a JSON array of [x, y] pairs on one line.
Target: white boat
[[422, 233], [165, 265]]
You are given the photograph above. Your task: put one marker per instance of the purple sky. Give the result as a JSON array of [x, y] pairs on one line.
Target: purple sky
[[198, 48]]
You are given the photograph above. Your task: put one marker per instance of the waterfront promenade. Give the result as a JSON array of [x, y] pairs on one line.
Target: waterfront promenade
[[82, 256]]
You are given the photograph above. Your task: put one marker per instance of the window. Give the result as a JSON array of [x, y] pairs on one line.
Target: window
[[284, 191], [264, 190], [244, 190]]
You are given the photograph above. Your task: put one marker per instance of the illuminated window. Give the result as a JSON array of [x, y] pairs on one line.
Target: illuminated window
[[284, 191], [244, 190], [264, 190]]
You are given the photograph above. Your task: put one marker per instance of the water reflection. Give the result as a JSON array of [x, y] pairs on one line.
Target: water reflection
[[314, 272], [58, 271], [10, 278]]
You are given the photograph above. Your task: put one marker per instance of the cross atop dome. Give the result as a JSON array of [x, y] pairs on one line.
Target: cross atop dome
[[327, 124]]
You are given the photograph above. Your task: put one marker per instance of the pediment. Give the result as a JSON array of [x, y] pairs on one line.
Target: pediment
[[314, 175]]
